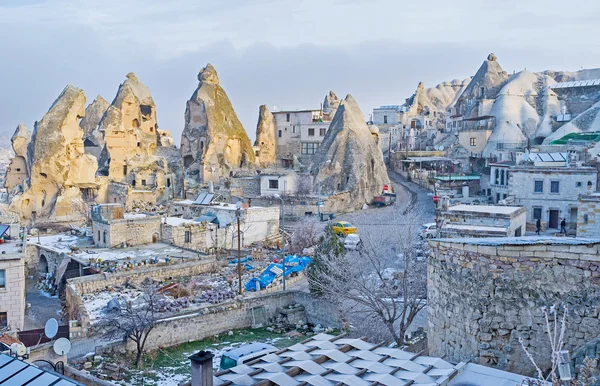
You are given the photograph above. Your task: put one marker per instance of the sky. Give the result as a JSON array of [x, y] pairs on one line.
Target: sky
[[281, 53]]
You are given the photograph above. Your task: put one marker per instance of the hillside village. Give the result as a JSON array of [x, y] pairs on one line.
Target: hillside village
[[452, 239]]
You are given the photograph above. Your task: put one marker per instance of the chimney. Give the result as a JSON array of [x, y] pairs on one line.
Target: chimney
[[211, 187], [202, 370]]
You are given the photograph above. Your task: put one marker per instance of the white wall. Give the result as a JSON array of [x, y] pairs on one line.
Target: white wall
[[287, 184]]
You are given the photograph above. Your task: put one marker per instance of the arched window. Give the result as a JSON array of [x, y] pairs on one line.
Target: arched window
[[502, 177], [104, 237], [507, 178], [497, 176]]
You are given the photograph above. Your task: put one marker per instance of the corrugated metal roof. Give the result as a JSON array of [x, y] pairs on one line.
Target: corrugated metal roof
[[16, 372], [351, 362]]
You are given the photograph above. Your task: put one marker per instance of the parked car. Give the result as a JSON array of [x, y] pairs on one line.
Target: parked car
[[344, 228], [428, 231], [352, 241], [245, 353]]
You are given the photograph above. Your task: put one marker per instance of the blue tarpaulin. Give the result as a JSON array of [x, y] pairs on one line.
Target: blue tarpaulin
[[242, 260], [293, 264]]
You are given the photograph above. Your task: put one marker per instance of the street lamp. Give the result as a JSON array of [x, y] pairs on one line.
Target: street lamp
[[282, 238], [238, 211]]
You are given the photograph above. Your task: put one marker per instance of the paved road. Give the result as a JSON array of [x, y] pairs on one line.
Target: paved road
[[42, 307]]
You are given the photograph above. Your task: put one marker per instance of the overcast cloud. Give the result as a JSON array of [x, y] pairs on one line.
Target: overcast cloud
[[278, 52]]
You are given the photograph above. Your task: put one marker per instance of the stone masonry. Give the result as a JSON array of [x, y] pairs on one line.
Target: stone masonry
[[588, 216], [485, 294]]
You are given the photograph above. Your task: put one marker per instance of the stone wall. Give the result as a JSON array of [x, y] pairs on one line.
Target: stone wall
[[77, 287], [225, 317], [588, 216], [486, 294], [201, 236], [12, 295], [245, 186], [41, 260], [132, 232]]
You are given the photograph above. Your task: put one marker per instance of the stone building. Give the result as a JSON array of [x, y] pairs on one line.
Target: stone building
[[17, 172], [550, 193], [588, 216], [256, 223], [483, 295], [12, 287], [498, 177], [112, 228], [482, 221]]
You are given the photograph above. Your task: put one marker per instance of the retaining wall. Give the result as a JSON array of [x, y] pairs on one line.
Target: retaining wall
[[483, 298]]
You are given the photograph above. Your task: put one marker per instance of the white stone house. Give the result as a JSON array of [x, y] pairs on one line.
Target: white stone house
[[12, 287], [277, 183], [482, 221], [551, 193]]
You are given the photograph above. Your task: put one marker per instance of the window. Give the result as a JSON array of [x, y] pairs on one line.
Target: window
[[309, 148], [538, 187], [279, 134], [497, 175], [124, 170], [104, 237], [19, 169], [294, 129], [287, 117], [143, 182], [554, 187], [537, 213], [473, 141], [311, 132], [3, 319], [385, 119], [502, 177], [98, 236], [139, 144], [188, 236], [579, 184], [322, 132], [273, 184], [2, 278], [586, 218]]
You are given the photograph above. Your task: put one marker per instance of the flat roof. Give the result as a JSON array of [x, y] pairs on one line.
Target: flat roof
[[474, 228], [484, 208], [524, 240]]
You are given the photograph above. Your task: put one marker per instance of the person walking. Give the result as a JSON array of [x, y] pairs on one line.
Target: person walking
[[563, 226], [538, 225]]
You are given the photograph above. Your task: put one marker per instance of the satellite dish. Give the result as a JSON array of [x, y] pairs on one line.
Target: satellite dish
[[21, 350], [441, 147], [14, 348], [51, 328], [275, 108], [62, 346]]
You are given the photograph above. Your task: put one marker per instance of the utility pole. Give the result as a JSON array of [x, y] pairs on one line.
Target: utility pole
[[239, 262], [182, 179], [283, 241]]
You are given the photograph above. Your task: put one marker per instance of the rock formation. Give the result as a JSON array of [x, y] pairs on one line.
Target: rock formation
[[60, 170], [18, 170], [213, 141], [265, 137], [486, 84], [94, 112], [330, 105], [132, 140], [349, 159], [129, 129]]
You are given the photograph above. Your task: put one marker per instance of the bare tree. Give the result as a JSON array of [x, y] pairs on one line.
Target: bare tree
[[134, 320], [390, 287], [306, 235], [304, 185]]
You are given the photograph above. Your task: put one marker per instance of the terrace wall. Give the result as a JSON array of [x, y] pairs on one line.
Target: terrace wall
[[483, 298]]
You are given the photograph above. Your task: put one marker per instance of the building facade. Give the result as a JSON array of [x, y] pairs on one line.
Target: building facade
[[499, 173], [588, 216], [482, 221], [299, 133], [12, 288], [112, 228], [551, 193]]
